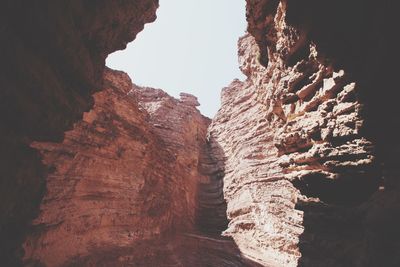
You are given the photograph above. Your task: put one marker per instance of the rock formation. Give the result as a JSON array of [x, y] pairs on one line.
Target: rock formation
[[292, 143], [303, 174], [53, 56], [133, 183], [125, 174], [298, 168]]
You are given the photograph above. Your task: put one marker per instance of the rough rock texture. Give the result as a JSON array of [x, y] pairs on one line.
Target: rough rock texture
[[133, 184], [299, 167], [304, 174], [52, 56], [126, 173]]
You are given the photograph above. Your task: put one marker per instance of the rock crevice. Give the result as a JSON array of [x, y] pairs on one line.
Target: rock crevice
[[298, 168]]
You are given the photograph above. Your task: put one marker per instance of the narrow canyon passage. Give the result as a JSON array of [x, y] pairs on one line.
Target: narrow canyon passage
[[138, 180], [211, 206], [206, 246], [299, 167]]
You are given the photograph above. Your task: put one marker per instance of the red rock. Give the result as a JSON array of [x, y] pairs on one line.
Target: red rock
[[189, 99], [53, 56], [301, 171], [126, 173], [299, 167], [134, 182]]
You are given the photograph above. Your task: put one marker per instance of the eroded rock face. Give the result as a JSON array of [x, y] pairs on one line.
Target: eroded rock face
[[302, 167], [125, 175], [53, 56], [299, 167], [137, 182]]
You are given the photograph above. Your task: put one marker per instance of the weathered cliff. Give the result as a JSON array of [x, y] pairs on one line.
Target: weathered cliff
[[136, 182], [123, 178], [304, 166], [299, 167], [53, 56]]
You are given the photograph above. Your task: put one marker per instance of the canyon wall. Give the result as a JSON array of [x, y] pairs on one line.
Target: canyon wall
[[298, 168], [310, 178], [53, 56], [136, 182], [119, 177], [124, 176]]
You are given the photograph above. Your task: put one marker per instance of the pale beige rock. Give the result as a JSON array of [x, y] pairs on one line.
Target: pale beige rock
[[291, 141]]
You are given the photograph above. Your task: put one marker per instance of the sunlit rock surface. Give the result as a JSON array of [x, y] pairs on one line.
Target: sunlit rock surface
[[135, 183], [298, 168], [303, 174], [125, 174]]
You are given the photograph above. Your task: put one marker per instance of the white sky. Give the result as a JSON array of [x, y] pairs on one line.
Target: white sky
[[191, 47]]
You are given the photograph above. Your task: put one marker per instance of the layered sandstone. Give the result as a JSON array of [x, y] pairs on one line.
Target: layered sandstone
[[292, 143], [53, 55], [136, 182], [124, 176], [302, 169], [299, 167]]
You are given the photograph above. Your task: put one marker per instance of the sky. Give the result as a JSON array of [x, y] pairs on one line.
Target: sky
[[191, 47]]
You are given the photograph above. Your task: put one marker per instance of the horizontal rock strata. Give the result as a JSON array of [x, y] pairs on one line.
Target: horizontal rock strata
[[298, 168], [303, 174], [53, 56], [127, 173], [135, 183]]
